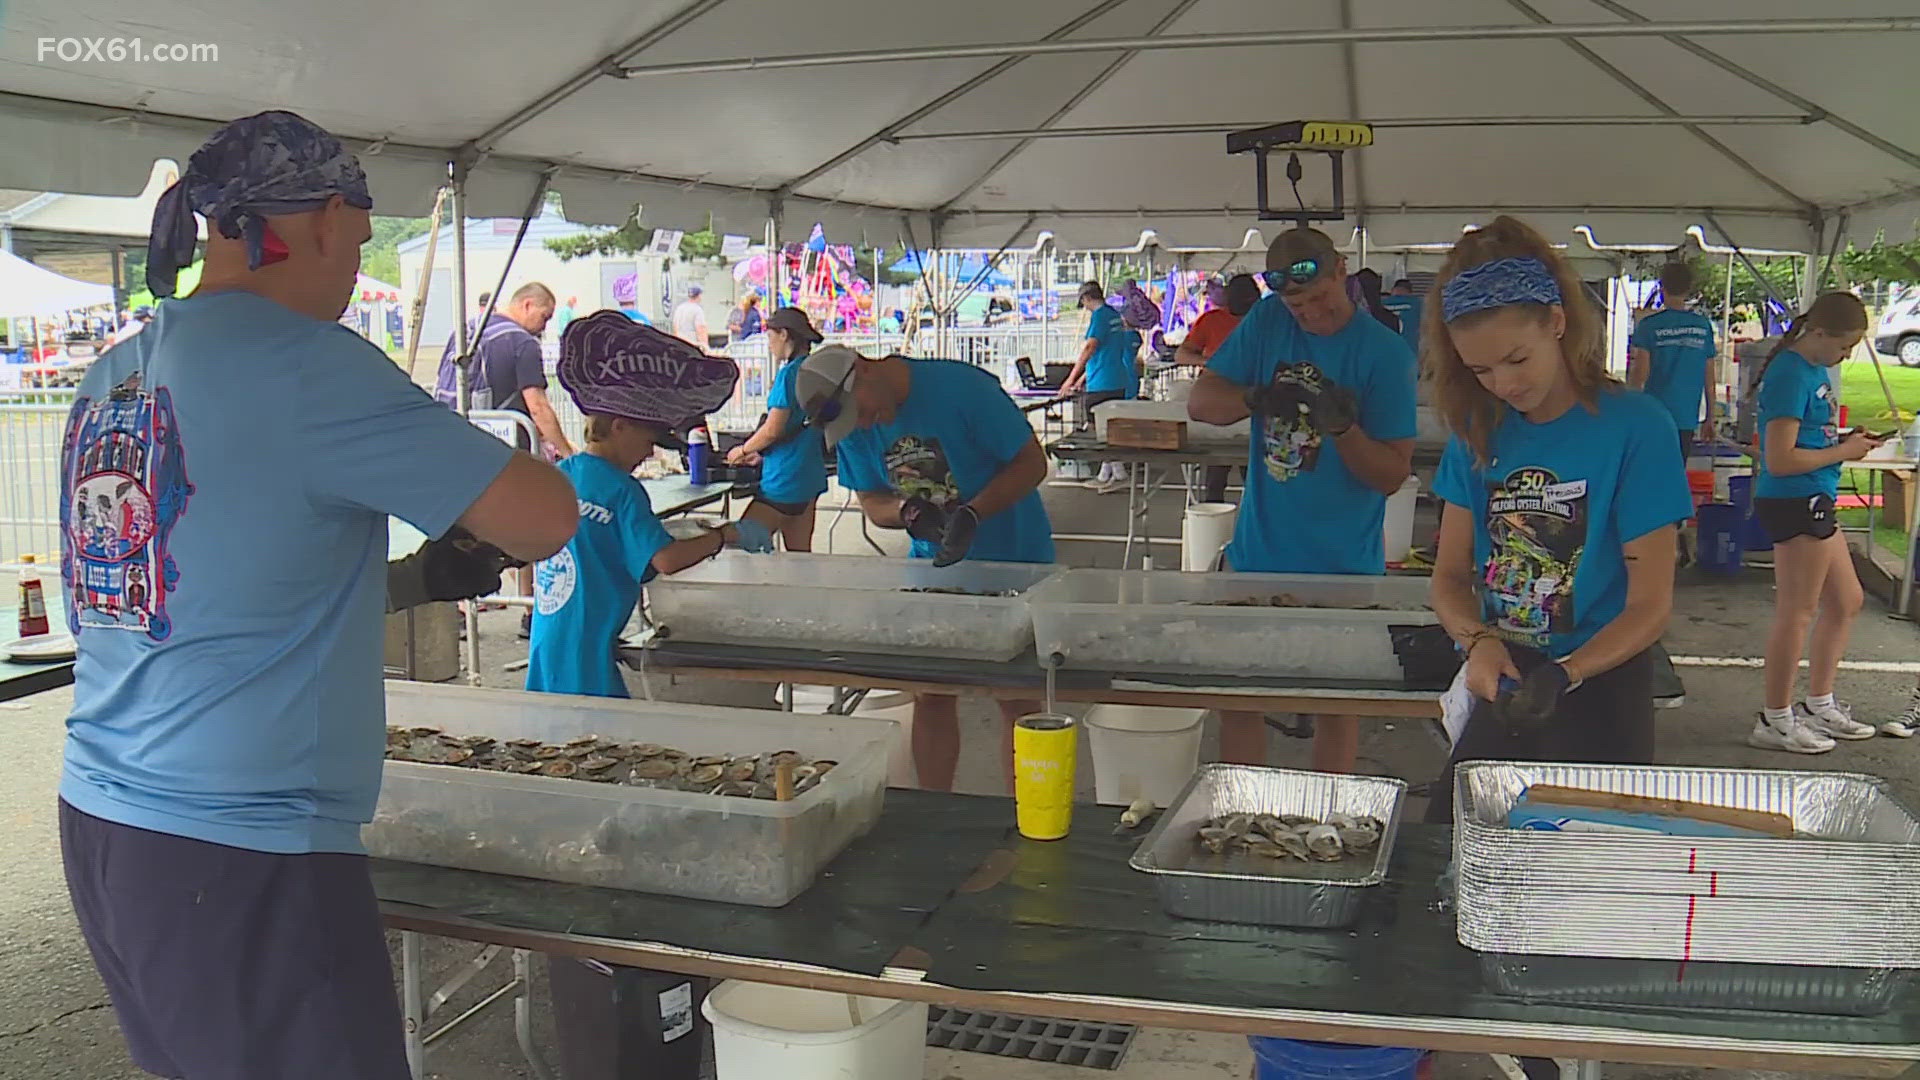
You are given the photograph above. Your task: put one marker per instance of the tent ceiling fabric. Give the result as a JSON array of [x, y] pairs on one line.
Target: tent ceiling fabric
[[414, 82]]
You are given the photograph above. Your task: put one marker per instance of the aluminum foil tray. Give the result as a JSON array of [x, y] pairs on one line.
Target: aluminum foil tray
[[1247, 889], [1823, 991], [1856, 857]]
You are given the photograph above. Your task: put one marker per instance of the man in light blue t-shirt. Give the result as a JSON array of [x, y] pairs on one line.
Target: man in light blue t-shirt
[[1672, 356], [1330, 391], [1106, 370], [227, 476], [937, 448]]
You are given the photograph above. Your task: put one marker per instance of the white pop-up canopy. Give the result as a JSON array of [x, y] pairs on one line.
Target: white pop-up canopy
[[1771, 123], [29, 291]]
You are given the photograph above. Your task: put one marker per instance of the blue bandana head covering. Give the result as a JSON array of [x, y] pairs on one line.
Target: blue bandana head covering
[[273, 162], [1513, 280]]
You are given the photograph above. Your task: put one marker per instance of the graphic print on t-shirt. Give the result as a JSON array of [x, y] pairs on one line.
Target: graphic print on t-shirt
[[1538, 528], [554, 579], [1829, 431], [1292, 444], [126, 479], [917, 466]]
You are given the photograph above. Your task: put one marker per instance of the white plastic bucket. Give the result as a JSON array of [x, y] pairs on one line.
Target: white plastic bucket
[[1397, 534], [762, 1031], [1142, 751], [897, 707], [1204, 533]]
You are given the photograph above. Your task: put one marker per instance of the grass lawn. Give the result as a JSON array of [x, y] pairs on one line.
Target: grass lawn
[[1867, 404]]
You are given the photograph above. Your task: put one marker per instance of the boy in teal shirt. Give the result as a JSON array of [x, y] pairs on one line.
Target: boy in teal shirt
[[637, 388], [1672, 356]]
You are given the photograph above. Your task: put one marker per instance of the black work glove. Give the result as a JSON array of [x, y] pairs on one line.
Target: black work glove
[[1271, 400], [455, 567], [1530, 704], [924, 519], [957, 539], [1332, 408]]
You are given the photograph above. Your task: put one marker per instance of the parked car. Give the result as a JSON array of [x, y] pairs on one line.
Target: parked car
[[1898, 334]]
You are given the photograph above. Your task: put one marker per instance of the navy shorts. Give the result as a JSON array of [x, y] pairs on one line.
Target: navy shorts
[[1804, 515], [228, 964], [785, 509]]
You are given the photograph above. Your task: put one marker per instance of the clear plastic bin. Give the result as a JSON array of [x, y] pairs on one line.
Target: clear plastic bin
[[710, 847], [1165, 620], [856, 603]]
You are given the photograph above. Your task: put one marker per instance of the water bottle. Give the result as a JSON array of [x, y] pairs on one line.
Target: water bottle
[[699, 457]]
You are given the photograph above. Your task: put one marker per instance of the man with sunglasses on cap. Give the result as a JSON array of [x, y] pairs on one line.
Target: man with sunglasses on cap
[[1331, 393], [937, 448], [792, 458]]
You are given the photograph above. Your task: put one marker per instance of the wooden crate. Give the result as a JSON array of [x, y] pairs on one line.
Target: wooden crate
[[1140, 434]]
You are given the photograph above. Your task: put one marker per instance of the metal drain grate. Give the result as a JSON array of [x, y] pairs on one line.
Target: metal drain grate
[[1064, 1042]]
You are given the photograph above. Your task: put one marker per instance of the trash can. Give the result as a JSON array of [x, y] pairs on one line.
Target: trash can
[[762, 1031], [1142, 751], [621, 1023], [1720, 548], [1297, 1059]]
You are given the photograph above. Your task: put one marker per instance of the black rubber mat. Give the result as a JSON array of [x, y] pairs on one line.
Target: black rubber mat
[[1062, 1042]]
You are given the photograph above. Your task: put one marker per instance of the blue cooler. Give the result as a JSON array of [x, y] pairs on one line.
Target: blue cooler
[[1720, 529], [1740, 493], [1296, 1059]]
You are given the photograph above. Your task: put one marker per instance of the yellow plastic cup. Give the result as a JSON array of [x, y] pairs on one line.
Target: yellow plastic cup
[[1043, 756]]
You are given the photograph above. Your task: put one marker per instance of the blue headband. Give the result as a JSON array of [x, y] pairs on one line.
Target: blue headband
[[1517, 280], [273, 162]]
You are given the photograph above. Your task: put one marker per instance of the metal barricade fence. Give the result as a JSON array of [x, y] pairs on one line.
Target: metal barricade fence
[[32, 427]]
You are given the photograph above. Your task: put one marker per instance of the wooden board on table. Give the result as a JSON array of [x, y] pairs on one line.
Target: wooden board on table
[[1143, 434]]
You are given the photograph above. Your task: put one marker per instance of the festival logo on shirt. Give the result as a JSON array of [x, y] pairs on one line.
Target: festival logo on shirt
[[1537, 526], [1829, 431], [1292, 444], [554, 579], [126, 487], [917, 466]]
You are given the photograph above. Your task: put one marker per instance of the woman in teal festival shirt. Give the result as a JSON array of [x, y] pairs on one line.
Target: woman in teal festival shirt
[[1554, 568]]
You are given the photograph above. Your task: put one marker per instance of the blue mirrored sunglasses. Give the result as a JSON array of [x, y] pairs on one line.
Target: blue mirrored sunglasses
[[1299, 272]]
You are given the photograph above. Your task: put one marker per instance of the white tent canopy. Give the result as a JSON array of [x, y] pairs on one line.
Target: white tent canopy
[[27, 291], [1764, 121]]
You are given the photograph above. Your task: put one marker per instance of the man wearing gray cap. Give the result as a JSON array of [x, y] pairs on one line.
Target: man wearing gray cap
[[690, 319], [227, 729], [1332, 399], [937, 448]]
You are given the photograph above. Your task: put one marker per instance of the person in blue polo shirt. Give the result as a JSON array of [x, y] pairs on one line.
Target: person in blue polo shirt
[[1332, 396], [1106, 370], [936, 448], [637, 388], [1409, 309], [227, 476], [1672, 356]]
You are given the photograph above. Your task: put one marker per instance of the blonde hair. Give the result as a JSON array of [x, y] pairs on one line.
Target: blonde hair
[[1469, 410], [1834, 313]]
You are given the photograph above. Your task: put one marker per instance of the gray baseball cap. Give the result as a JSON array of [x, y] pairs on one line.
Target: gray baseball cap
[[824, 388]]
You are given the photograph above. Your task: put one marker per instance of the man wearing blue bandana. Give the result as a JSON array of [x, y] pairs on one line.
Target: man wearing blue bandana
[[227, 478], [1332, 402]]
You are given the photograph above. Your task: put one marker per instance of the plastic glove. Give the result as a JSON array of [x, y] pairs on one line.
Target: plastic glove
[[1532, 701], [957, 539], [753, 536], [924, 519], [1332, 408]]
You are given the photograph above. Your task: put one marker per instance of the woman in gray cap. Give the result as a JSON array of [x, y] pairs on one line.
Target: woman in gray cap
[[792, 456]]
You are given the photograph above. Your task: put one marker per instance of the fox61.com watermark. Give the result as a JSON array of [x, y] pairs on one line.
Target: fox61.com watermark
[[125, 50]]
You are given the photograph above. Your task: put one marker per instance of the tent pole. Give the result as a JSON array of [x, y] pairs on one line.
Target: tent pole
[[470, 608], [425, 282]]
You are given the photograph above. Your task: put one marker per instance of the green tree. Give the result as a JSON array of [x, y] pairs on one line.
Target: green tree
[[1879, 262], [1711, 275], [380, 257], [631, 238]]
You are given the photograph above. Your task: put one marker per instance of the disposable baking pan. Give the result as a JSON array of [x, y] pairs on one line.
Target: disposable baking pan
[[1243, 888], [1590, 980]]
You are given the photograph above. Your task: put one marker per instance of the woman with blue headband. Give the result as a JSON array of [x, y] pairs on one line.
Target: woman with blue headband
[[1554, 569]]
